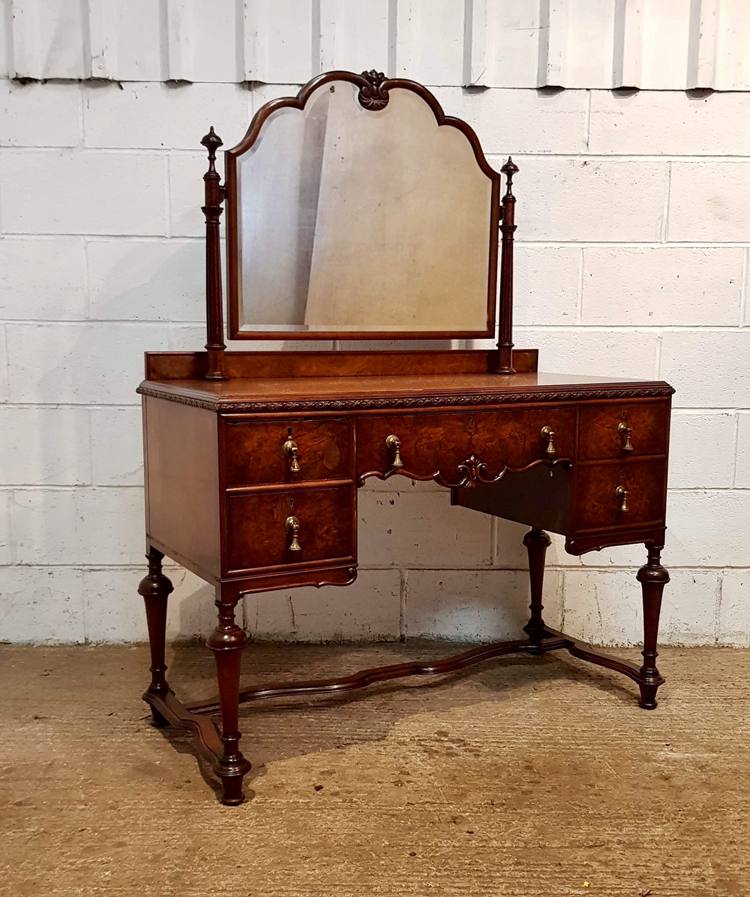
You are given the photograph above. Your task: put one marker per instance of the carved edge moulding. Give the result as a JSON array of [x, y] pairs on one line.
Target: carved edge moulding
[[373, 95], [437, 401]]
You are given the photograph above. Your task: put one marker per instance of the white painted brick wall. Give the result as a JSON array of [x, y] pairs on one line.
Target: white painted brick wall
[[632, 261]]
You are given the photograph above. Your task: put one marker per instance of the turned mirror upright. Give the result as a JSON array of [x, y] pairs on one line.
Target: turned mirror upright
[[358, 210]]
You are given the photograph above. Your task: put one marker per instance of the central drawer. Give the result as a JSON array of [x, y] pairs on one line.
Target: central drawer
[[432, 443], [271, 528]]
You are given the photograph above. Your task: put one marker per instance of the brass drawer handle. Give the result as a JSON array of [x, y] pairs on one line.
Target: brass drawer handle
[[291, 450], [626, 443], [548, 434], [291, 524], [394, 444], [622, 496]]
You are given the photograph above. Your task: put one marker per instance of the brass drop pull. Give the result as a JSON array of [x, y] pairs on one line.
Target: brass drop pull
[[622, 496], [548, 434], [625, 432], [292, 529], [291, 450], [394, 444]]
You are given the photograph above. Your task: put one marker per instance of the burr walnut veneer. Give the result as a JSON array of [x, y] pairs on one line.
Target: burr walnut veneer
[[253, 459]]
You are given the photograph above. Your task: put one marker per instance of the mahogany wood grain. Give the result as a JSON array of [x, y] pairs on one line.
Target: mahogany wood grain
[[429, 443], [365, 678], [383, 393], [327, 573], [155, 588], [579, 543], [219, 488], [537, 542], [253, 451], [652, 577], [206, 737], [507, 229], [182, 483], [257, 538], [227, 642], [432, 443], [249, 365], [514, 438], [597, 505], [584, 651], [648, 421], [213, 197]]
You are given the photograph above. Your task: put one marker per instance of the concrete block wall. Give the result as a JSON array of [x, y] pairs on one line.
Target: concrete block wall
[[633, 240]]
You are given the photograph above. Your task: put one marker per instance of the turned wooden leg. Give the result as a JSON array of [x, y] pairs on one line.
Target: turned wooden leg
[[536, 542], [227, 642], [155, 588], [652, 577]]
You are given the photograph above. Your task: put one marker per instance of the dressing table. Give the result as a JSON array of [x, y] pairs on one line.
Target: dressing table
[[359, 211]]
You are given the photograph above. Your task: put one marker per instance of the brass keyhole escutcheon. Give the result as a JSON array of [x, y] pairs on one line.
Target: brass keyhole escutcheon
[[394, 444], [622, 496], [291, 524], [548, 434], [626, 432], [291, 450]]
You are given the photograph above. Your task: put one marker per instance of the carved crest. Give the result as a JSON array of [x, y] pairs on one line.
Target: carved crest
[[474, 471], [373, 95]]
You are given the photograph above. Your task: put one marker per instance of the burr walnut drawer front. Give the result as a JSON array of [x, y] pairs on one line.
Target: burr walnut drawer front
[[620, 494], [623, 429], [270, 528], [424, 444], [286, 450]]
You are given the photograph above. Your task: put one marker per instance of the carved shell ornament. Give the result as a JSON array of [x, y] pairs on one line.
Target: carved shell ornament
[[373, 95]]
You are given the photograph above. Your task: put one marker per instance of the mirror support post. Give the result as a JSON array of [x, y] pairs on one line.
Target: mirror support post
[[214, 193], [507, 228]]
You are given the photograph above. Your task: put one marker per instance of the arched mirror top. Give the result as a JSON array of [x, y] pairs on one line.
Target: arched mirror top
[[358, 209]]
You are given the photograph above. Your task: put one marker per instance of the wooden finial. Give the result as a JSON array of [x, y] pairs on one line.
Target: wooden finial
[[212, 142], [509, 170]]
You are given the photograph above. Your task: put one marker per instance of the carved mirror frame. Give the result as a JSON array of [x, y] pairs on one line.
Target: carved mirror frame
[[373, 95]]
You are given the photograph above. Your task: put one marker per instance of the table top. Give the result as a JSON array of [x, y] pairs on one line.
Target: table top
[[397, 391]]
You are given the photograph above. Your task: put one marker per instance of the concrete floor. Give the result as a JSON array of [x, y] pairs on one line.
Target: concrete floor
[[528, 776]]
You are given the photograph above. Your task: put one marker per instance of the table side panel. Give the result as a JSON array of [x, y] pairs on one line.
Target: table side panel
[[182, 484]]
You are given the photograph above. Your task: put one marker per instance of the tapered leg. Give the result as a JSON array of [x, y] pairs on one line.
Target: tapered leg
[[652, 577], [155, 588], [227, 642], [536, 542]]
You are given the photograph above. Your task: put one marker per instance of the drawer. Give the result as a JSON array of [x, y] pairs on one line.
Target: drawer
[[600, 504], [259, 536], [602, 431], [514, 438], [440, 442], [255, 454]]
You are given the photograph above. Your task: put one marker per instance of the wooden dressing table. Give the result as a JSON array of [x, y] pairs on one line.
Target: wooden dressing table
[[358, 210]]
